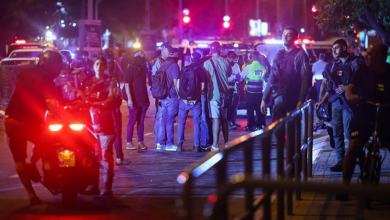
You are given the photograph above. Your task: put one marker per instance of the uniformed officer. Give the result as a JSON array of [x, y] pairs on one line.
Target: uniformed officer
[[338, 75], [254, 75]]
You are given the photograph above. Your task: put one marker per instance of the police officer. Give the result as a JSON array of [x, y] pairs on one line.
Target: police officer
[[254, 74], [290, 77], [338, 74]]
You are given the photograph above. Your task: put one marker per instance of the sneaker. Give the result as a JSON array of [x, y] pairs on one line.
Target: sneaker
[[196, 149], [159, 147], [171, 147], [237, 125], [246, 128], [214, 148], [338, 167], [231, 127], [204, 148], [142, 146], [130, 146], [120, 162], [92, 191], [107, 193]]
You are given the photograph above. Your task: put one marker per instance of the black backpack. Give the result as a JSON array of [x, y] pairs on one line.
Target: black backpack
[[160, 88], [189, 85]]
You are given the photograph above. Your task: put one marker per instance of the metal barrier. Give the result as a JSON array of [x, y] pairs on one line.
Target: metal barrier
[[289, 141]]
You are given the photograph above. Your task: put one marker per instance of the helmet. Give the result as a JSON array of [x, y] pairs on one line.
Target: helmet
[[51, 61]]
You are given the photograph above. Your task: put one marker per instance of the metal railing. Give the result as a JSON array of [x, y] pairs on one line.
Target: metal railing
[[292, 146]]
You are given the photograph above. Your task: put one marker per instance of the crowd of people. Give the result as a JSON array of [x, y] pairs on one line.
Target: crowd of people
[[209, 87]]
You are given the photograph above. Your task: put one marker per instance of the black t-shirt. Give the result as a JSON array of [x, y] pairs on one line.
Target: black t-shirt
[[136, 77], [32, 89], [376, 88]]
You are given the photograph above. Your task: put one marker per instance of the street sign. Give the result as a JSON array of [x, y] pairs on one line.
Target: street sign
[[258, 28], [90, 32]]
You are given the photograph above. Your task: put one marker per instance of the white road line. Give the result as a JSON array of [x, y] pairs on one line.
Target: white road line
[[14, 176], [147, 134]]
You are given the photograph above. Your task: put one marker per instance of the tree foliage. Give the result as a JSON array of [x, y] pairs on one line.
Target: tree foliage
[[338, 15]]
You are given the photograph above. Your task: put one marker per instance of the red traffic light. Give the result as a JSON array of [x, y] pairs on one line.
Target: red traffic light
[[314, 9], [226, 24], [186, 19]]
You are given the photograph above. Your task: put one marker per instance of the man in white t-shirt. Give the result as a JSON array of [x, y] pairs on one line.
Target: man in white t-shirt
[[318, 69]]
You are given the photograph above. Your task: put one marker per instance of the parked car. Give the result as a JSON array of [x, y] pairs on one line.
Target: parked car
[[23, 57]]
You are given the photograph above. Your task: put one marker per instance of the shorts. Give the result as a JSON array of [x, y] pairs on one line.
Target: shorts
[[18, 133], [216, 110], [362, 129]]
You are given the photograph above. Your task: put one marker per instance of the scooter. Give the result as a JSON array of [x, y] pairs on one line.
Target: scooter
[[68, 160]]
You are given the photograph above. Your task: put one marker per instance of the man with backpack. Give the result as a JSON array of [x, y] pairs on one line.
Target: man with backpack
[[218, 70], [190, 87], [164, 89], [156, 64], [137, 99]]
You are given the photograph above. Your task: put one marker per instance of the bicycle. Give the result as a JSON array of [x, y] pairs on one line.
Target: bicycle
[[372, 164]]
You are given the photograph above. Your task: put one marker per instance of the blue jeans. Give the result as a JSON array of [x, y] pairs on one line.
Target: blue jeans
[[206, 135], [232, 111], [117, 115], [169, 110], [157, 120], [196, 115], [107, 160], [136, 114], [341, 121]]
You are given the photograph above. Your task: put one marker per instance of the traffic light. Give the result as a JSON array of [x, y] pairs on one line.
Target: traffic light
[[314, 8], [226, 20], [186, 18]]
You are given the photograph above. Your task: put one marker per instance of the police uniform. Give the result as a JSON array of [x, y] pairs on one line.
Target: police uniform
[[290, 78], [339, 73], [254, 75]]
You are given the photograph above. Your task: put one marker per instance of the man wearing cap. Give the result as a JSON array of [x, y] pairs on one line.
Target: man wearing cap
[[254, 76], [194, 104], [156, 66], [206, 135], [217, 70], [169, 105], [137, 99]]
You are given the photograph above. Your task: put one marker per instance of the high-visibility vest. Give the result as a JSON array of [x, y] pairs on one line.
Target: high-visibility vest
[[254, 80]]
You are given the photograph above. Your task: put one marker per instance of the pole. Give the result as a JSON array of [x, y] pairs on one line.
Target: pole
[[226, 7], [90, 9], [257, 9], [180, 20], [305, 15], [278, 24], [147, 12], [97, 2]]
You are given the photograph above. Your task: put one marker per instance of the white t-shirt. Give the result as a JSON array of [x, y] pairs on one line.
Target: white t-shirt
[[318, 69]]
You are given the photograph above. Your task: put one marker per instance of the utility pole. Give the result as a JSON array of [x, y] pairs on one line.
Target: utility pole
[[90, 9], [147, 12], [305, 15], [97, 2], [180, 20], [278, 20], [257, 9]]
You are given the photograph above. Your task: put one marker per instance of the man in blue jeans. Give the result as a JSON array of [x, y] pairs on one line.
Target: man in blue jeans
[[190, 99], [156, 65], [169, 105]]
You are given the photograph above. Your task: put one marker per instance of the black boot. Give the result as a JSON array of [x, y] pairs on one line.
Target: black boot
[[338, 167]]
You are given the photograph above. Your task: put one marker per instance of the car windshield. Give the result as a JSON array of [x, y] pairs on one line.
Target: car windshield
[[17, 62], [23, 54]]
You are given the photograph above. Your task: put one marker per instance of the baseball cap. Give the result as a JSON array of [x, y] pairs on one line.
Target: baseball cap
[[166, 45], [139, 53], [214, 47], [200, 52], [173, 52], [195, 57]]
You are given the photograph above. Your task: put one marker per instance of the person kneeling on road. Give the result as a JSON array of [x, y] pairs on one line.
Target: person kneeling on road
[[190, 87]]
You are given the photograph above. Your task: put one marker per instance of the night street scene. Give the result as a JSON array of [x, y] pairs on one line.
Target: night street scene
[[194, 109]]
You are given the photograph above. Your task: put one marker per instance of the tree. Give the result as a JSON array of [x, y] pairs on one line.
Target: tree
[[338, 15]]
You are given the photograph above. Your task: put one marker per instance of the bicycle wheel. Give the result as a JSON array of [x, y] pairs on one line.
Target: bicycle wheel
[[371, 180]]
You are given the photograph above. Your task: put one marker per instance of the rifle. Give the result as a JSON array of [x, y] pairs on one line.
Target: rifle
[[335, 96]]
